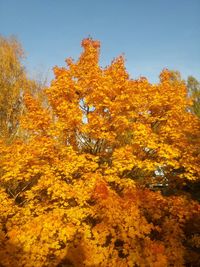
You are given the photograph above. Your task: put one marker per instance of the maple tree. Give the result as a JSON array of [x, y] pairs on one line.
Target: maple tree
[[75, 194]]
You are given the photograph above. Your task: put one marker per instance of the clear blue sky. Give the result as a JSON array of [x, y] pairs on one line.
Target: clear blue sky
[[153, 34]]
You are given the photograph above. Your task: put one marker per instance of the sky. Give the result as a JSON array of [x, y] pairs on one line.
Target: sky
[[152, 34]]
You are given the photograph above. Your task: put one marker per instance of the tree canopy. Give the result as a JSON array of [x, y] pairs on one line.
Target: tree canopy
[[77, 193]]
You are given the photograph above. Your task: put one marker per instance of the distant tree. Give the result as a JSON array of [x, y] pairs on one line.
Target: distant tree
[[193, 86], [14, 82], [175, 75]]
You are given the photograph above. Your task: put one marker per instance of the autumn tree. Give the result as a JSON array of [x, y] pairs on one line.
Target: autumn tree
[[13, 84], [76, 191], [12, 78]]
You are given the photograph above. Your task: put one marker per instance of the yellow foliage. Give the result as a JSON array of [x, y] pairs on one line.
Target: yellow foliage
[[73, 188]]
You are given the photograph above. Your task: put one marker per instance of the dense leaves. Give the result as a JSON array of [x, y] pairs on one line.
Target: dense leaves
[[75, 193]]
